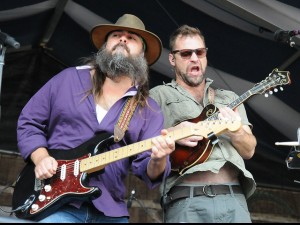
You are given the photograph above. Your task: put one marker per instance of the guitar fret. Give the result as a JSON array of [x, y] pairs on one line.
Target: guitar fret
[[130, 149], [181, 133], [239, 100]]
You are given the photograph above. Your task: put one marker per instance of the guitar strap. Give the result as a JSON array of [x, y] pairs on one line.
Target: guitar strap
[[211, 95], [124, 119], [128, 110]]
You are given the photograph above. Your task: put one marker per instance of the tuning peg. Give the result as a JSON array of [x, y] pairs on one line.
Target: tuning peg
[[266, 95], [281, 88], [270, 92], [275, 90]]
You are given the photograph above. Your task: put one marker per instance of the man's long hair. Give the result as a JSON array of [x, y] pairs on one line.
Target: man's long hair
[[112, 66]]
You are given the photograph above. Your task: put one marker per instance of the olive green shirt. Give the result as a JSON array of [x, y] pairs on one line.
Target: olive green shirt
[[178, 105]]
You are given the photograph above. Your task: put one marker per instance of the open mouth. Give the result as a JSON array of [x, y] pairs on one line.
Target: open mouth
[[194, 69]]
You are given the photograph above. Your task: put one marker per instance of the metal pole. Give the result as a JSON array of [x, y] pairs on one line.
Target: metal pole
[[2, 49]]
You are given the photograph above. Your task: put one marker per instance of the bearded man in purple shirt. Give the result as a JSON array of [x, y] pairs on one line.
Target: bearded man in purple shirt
[[81, 102]]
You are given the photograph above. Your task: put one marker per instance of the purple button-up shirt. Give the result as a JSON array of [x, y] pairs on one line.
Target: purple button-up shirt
[[59, 116]]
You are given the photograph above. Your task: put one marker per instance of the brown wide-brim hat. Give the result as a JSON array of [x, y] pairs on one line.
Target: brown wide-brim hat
[[131, 23]]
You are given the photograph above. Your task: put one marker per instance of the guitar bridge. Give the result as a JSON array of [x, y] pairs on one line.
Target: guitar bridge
[[213, 138]]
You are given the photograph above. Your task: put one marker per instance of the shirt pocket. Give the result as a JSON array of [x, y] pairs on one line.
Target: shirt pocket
[[180, 109], [223, 98]]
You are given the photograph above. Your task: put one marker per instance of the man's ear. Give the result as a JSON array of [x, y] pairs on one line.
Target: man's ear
[[171, 59]]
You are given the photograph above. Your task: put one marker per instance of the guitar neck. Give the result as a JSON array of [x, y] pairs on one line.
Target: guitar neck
[[97, 162], [240, 99], [203, 128], [236, 102], [274, 79]]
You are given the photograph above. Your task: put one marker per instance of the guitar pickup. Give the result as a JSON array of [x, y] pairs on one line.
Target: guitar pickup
[[38, 184], [213, 138]]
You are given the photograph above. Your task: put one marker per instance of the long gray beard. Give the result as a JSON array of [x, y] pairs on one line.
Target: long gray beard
[[118, 65]]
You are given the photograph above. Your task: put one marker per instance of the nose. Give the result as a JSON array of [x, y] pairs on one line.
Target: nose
[[194, 57], [123, 38]]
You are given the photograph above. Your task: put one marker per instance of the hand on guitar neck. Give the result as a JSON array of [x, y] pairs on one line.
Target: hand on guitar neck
[[190, 141], [225, 114]]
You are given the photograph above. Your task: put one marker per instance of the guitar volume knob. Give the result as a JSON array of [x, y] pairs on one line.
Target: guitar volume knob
[[47, 188], [34, 207], [42, 198]]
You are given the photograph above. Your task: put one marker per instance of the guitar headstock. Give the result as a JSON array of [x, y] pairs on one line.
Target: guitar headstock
[[216, 126], [275, 78]]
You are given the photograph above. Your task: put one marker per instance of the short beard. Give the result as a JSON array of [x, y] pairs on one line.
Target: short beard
[[116, 65], [189, 81]]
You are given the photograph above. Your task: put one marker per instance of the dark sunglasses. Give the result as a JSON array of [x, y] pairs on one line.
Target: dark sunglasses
[[187, 53]]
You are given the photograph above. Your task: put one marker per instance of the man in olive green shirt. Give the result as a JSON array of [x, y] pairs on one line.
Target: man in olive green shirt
[[216, 189]]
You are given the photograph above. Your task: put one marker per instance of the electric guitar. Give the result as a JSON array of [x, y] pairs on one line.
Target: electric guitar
[[185, 157], [35, 199]]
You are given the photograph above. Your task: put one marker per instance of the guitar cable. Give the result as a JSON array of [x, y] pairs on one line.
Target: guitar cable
[[25, 205], [163, 199]]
